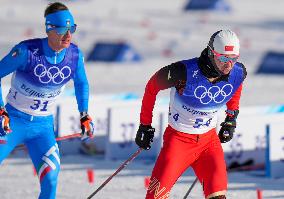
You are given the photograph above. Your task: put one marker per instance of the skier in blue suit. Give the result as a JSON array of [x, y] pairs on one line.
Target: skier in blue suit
[[41, 68]]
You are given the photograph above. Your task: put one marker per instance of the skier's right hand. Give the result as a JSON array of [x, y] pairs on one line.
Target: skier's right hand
[[144, 136], [5, 122]]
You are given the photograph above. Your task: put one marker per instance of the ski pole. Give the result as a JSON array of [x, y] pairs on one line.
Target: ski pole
[[75, 135], [241, 168], [20, 146], [190, 188], [124, 164]]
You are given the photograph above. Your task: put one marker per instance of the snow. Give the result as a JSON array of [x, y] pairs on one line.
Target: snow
[[18, 181], [151, 27]]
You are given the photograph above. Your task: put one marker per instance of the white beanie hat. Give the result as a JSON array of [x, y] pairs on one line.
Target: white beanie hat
[[225, 42]]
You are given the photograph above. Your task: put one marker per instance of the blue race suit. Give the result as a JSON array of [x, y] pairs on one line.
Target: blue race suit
[[39, 76]]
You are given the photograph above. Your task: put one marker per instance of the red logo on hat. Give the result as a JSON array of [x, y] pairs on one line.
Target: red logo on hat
[[229, 48]]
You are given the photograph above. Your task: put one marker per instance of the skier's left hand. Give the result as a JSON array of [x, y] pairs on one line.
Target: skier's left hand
[[5, 122], [87, 126], [227, 130]]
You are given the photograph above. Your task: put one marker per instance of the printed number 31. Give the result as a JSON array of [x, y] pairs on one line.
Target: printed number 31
[[37, 104]]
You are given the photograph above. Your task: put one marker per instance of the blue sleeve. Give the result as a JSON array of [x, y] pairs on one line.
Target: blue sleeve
[[81, 85], [1, 99], [16, 59]]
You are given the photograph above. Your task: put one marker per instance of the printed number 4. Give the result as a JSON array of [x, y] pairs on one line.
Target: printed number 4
[[37, 104], [199, 122], [175, 116]]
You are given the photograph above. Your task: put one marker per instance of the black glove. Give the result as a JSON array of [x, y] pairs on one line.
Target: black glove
[[227, 130], [144, 136]]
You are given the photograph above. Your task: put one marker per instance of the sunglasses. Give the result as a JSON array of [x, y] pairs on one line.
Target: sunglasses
[[62, 30], [224, 58]]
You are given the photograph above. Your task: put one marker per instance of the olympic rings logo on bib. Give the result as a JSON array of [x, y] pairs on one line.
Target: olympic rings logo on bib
[[54, 74], [215, 93]]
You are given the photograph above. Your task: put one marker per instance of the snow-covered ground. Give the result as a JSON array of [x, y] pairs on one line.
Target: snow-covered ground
[[152, 28], [18, 181]]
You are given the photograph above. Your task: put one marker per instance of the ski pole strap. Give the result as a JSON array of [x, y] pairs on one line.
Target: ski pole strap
[[124, 164]]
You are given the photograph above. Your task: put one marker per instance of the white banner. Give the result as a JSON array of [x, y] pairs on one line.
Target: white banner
[[115, 130], [275, 164], [124, 123], [69, 123]]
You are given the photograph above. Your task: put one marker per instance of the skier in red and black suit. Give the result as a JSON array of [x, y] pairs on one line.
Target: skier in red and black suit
[[199, 88]]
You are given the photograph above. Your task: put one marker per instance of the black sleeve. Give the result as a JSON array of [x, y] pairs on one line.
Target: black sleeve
[[173, 75]]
